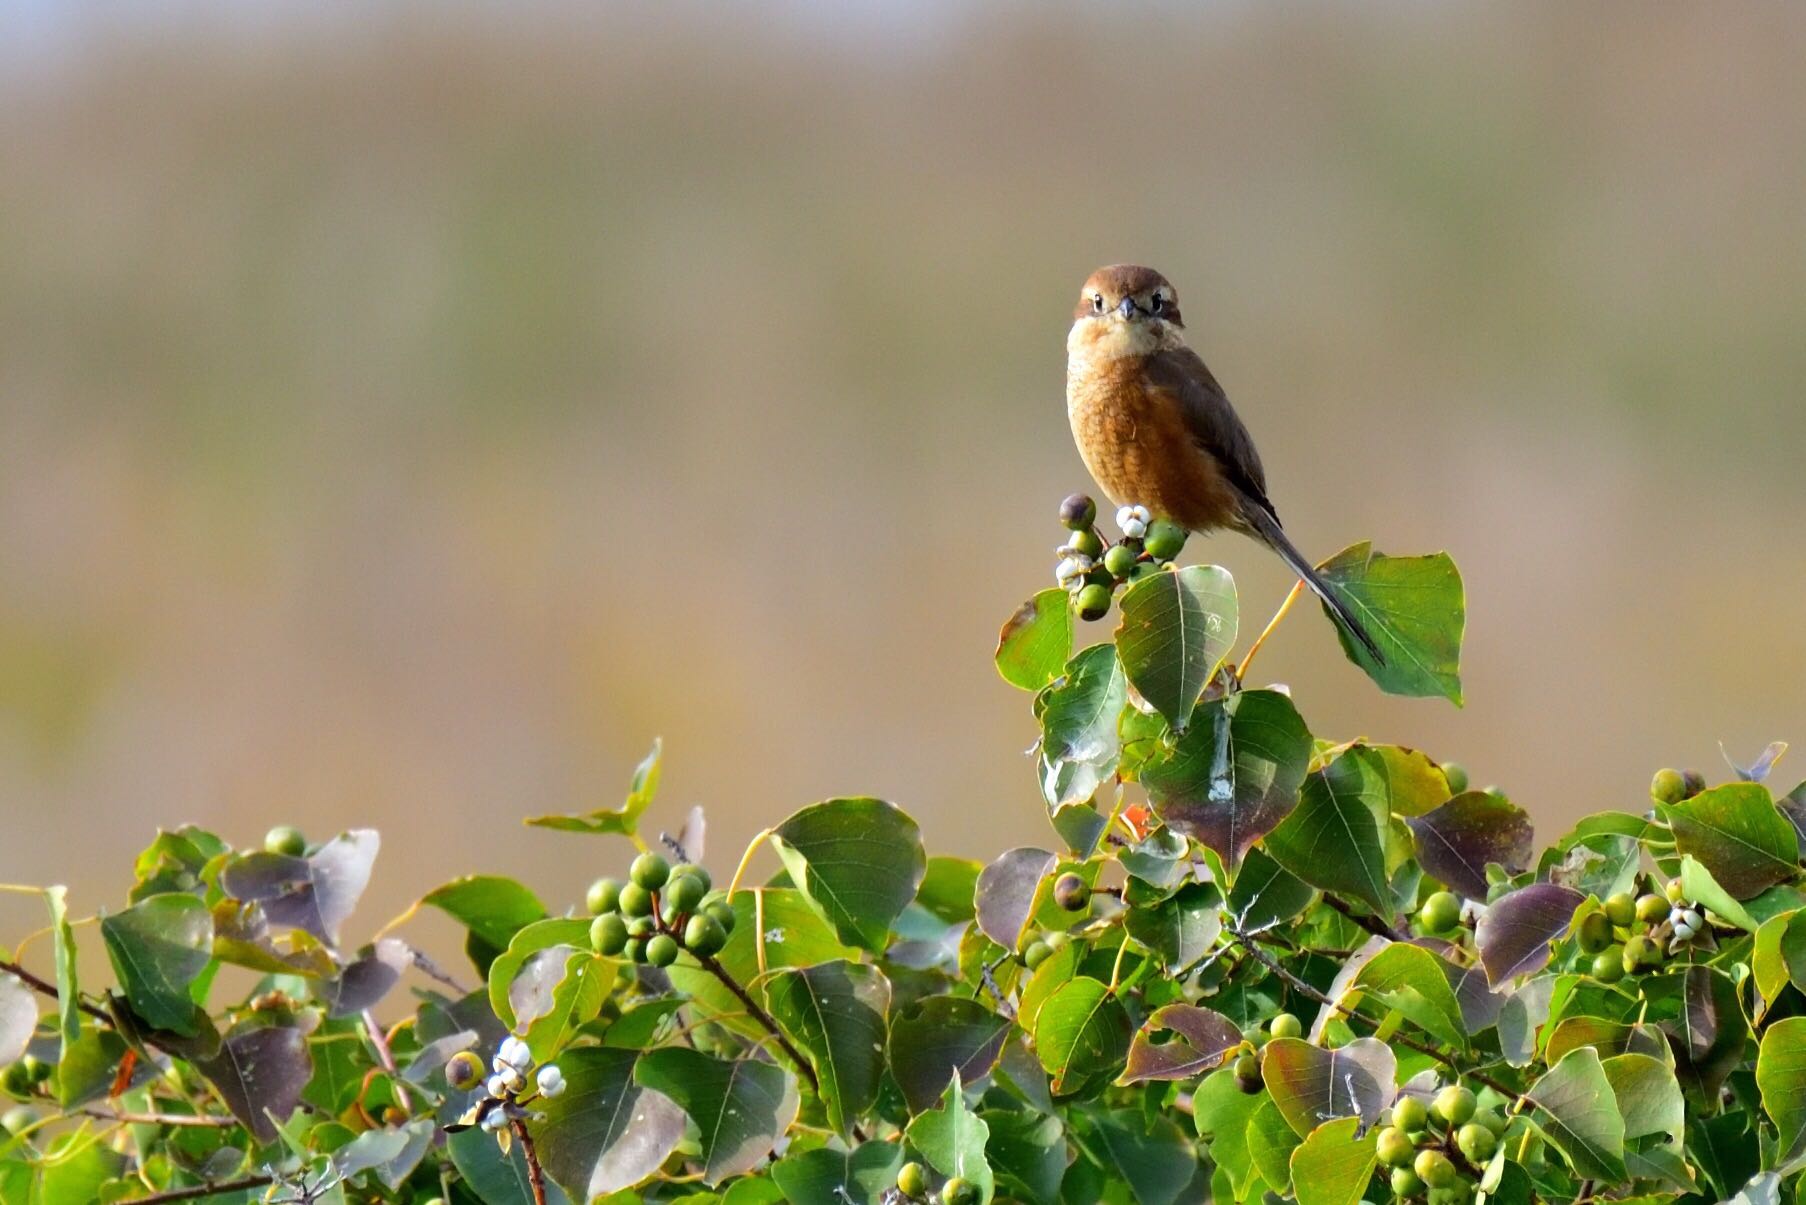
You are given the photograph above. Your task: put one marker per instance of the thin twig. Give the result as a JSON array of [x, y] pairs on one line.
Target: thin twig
[[383, 1055], [536, 1175], [758, 1014], [1372, 924], [162, 1119], [1241, 671], [1304, 989], [196, 1192], [49, 989]]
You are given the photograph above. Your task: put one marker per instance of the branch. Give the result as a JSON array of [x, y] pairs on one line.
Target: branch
[[1306, 990], [1372, 924], [211, 1189], [761, 1016], [49, 989], [536, 1175], [161, 1119]]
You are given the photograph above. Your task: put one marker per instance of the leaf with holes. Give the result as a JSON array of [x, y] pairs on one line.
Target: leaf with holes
[[1180, 1041], [741, 1107], [1457, 841], [859, 861], [1176, 628], [836, 1012]]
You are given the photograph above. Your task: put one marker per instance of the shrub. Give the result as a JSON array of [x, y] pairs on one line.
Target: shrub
[[1252, 963]]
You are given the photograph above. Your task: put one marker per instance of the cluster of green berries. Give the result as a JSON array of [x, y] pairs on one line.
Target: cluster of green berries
[[1247, 1062], [1631, 933], [912, 1183], [506, 1091], [660, 910], [1437, 1151], [1043, 946], [1092, 571], [23, 1078]]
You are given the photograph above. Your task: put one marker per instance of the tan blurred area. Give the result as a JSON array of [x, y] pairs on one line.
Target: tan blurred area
[[406, 417]]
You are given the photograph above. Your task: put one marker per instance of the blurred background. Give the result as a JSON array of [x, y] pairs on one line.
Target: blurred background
[[408, 411]]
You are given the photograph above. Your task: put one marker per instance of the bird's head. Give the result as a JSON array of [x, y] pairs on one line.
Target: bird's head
[[1126, 310]]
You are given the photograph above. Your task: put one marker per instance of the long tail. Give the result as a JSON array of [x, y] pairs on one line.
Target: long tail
[[1268, 531]]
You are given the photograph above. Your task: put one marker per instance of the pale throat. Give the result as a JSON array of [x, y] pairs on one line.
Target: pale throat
[[1097, 341]]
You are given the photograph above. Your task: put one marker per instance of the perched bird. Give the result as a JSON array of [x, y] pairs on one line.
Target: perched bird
[[1156, 429]]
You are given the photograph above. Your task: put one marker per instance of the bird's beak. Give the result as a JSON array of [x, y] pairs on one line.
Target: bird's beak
[[1126, 307]]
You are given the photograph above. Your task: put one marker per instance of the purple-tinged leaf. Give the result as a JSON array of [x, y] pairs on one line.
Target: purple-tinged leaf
[[933, 1039], [1201, 1040], [1706, 1030], [316, 893], [1005, 897], [1456, 841], [1311, 1085], [1515, 932], [365, 982], [1758, 770], [260, 1075]]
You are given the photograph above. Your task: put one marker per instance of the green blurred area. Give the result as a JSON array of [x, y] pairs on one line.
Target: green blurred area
[[404, 420]]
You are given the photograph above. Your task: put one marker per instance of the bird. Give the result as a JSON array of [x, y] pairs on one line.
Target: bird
[[1156, 430]]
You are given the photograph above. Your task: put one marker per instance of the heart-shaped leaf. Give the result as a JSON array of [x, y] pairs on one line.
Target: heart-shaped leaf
[[1739, 835], [935, 1038], [624, 820], [605, 1132], [260, 1075], [1037, 640], [859, 861], [1334, 1163], [1515, 932], [952, 1138], [1456, 841], [1414, 607], [1234, 774], [1335, 838], [836, 1012], [741, 1107], [1200, 1040], [1080, 741], [491, 907], [1578, 1111], [1311, 1085], [158, 948], [1176, 629], [1081, 1031]]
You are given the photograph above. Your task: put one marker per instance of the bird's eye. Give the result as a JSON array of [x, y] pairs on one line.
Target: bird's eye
[[1097, 303], [1158, 304]]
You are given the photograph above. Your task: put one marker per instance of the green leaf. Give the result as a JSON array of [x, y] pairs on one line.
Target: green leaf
[[1222, 1113], [1266, 894], [1739, 835], [68, 994], [1411, 980], [1457, 841], [1027, 1153], [1413, 607], [1201, 1040], [836, 1012], [1334, 1163], [1081, 1031], [538, 952], [1781, 1079], [952, 1138], [859, 861], [1150, 1155], [158, 948], [1311, 1085], [624, 820], [1515, 932], [948, 887], [1176, 629], [551, 1007], [1234, 774], [1699, 885], [606, 1131], [934, 1039], [493, 908], [1335, 838], [1578, 1112], [741, 1107], [495, 1177], [774, 928], [1180, 930], [74, 1169], [1080, 742], [1703, 1018], [1649, 1097], [88, 1067], [863, 1176], [1037, 640]]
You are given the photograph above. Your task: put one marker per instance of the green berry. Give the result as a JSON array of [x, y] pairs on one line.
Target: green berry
[[661, 951], [1086, 543], [1676, 893], [1120, 560], [1476, 1143], [650, 870], [285, 839], [1395, 1147], [642, 927], [635, 900], [1409, 1114], [1455, 1105], [608, 934], [1143, 569], [1456, 773], [1071, 892], [1668, 786], [636, 949], [1285, 1025], [1651, 908], [912, 1181], [1036, 954], [604, 895], [1094, 602], [1405, 1183], [684, 893], [1493, 1120], [39, 1069], [723, 914], [1692, 783], [958, 1191], [464, 1069], [1608, 964], [1435, 1169], [704, 934], [1078, 512], [1165, 540], [1247, 1074], [691, 870], [1440, 913], [17, 1080], [1621, 909], [1595, 932]]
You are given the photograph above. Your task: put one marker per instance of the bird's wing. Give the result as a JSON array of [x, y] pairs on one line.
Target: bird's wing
[[1181, 374]]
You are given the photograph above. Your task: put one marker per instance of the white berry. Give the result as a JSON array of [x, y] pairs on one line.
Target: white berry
[[514, 1052], [550, 1080], [496, 1086], [494, 1120], [1134, 529]]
